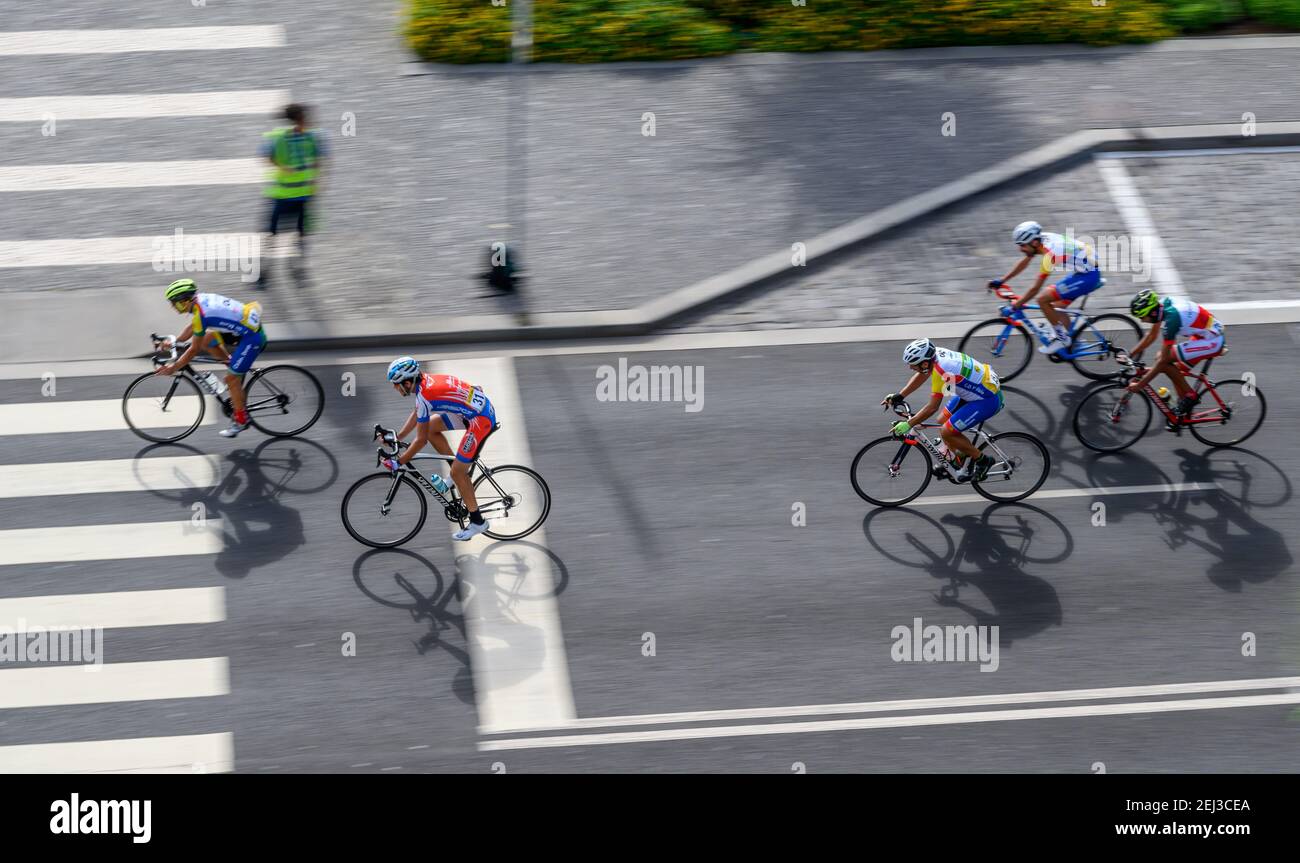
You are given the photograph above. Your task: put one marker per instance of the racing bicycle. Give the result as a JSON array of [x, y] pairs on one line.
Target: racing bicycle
[[1227, 412], [1008, 342], [892, 471], [387, 509], [281, 400]]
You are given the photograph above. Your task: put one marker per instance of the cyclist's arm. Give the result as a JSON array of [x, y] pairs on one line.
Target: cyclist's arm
[[1146, 341], [913, 382], [926, 412], [1030, 294], [1166, 357], [421, 438], [1018, 268]]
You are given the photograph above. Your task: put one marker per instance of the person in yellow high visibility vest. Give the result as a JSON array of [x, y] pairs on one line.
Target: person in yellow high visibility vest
[[296, 154]]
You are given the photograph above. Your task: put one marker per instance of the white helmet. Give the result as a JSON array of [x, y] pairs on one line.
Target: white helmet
[[403, 369], [1026, 232], [918, 351]]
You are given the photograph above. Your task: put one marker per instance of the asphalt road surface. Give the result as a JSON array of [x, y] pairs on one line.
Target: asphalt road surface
[[670, 579]]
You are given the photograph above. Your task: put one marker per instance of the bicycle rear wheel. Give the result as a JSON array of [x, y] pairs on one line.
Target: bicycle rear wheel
[[163, 409], [284, 401], [1238, 404], [514, 499], [1094, 345], [1021, 464], [1008, 348], [890, 472], [371, 519], [1110, 418]]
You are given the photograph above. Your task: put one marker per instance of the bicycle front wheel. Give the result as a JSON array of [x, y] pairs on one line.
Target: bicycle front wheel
[[381, 512], [284, 401], [1093, 347], [1006, 347], [1228, 413], [1110, 418], [1020, 466], [163, 409], [514, 499], [890, 472]]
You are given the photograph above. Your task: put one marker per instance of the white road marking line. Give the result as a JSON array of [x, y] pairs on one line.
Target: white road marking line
[[109, 542], [50, 417], [118, 610], [191, 753], [1215, 151], [521, 675], [124, 106], [109, 475], [1095, 491], [158, 250], [26, 43], [1128, 200], [132, 175], [1095, 694], [1122, 709], [1255, 312], [114, 682]]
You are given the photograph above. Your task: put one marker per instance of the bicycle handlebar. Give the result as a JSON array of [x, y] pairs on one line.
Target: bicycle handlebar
[[1004, 292], [389, 437]]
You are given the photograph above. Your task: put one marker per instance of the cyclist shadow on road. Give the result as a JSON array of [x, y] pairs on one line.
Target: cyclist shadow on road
[[1231, 482], [1245, 550], [990, 555], [405, 580], [257, 527]]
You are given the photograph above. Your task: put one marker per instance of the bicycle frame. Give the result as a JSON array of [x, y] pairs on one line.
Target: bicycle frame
[[1078, 322], [1219, 413], [1001, 468]]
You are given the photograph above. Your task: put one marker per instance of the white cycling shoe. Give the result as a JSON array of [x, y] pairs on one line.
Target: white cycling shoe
[[1056, 344], [234, 429], [470, 531]]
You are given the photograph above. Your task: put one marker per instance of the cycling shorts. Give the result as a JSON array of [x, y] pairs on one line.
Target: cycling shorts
[[245, 351], [477, 430], [1077, 285], [1200, 348], [962, 415]]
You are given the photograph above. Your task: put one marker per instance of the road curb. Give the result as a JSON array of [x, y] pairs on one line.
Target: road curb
[[770, 270]]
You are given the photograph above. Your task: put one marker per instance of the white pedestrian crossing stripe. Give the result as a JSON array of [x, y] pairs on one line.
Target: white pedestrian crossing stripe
[[132, 175], [109, 542], [56, 417], [37, 42], [521, 672], [129, 106], [158, 473], [121, 610], [114, 681], [191, 753]]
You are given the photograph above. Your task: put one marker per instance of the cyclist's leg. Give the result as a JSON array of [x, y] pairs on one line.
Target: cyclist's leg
[[966, 415], [246, 351], [1069, 289], [477, 431]]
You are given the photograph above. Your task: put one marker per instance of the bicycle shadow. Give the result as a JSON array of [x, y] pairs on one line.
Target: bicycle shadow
[[1020, 604], [1246, 551], [257, 527], [422, 603]]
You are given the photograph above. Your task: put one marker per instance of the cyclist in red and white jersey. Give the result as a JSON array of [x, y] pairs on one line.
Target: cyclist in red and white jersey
[[1175, 317], [443, 403]]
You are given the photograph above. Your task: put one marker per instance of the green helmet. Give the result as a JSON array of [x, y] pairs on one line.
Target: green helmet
[[181, 289], [1144, 303]]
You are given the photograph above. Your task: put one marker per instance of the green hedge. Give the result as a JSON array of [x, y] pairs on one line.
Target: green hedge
[[458, 31], [1191, 16], [1284, 13], [588, 31]]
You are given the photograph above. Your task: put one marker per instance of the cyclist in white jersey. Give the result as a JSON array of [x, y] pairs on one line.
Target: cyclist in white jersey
[[974, 395], [1173, 318], [1059, 253]]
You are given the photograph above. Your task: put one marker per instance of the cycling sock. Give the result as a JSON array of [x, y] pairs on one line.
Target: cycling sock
[[476, 517], [241, 417]]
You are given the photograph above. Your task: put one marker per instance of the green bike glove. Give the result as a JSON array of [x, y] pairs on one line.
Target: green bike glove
[[901, 428]]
